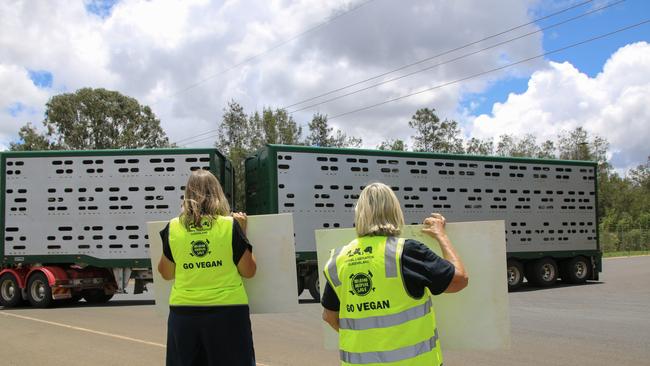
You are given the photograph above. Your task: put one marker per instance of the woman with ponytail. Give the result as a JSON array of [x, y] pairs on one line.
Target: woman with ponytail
[[206, 253]]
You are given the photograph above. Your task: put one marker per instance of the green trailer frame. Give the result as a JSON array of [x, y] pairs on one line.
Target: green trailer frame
[[262, 182], [219, 166]]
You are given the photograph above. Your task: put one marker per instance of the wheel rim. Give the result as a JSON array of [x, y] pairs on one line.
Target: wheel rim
[[8, 289], [580, 270], [513, 276], [548, 272], [38, 290]]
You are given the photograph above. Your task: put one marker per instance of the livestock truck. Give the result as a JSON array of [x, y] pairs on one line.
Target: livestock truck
[[73, 222], [549, 206]]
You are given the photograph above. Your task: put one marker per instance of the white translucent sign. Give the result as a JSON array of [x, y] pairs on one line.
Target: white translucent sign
[[273, 289], [476, 318]]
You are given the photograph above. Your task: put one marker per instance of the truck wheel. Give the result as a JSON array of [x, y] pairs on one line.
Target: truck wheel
[[10, 294], [96, 296], [515, 272], [543, 272], [313, 285], [301, 284], [576, 270], [39, 292]]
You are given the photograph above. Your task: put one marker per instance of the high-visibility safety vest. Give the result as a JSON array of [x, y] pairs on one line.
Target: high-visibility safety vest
[[379, 322], [205, 272]]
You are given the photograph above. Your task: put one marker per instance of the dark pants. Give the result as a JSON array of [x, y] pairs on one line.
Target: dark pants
[[219, 336]]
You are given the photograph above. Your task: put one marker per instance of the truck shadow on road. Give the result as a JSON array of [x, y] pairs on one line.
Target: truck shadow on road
[[82, 304], [308, 301], [113, 303], [559, 285]]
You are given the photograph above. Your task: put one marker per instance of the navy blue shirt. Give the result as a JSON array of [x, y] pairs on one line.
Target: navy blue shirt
[[239, 242], [421, 268]]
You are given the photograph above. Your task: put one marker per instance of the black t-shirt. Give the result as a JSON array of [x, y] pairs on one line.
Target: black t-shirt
[[239, 243], [421, 268]]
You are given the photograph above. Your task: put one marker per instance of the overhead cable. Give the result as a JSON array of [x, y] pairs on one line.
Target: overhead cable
[[189, 139], [440, 54], [458, 58], [276, 46], [493, 70]]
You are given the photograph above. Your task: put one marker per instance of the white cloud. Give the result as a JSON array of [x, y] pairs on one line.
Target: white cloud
[[614, 104], [152, 50], [20, 101]]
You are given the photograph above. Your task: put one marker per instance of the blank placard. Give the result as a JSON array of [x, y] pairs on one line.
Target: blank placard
[[476, 318], [273, 289]]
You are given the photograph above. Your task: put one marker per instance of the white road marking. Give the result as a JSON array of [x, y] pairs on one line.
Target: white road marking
[[85, 330], [117, 336]]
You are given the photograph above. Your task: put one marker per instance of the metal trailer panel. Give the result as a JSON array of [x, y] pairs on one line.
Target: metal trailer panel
[[548, 205], [91, 207]]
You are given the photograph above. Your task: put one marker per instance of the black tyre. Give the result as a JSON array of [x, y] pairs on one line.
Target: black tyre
[[515, 274], [96, 296], [576, 270], [39, 292], [313, 285], [10, 294], [542, 272], [301, 284]]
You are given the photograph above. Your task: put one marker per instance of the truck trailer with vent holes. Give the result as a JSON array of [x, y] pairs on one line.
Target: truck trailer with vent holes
[[549, 206], [74, 222]]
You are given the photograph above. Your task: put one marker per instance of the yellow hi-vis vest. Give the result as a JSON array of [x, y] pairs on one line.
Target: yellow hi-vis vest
[[205, 272], [380, 323]]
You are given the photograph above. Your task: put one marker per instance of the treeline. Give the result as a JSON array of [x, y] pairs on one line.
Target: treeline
[[241, 135], [102, 119]]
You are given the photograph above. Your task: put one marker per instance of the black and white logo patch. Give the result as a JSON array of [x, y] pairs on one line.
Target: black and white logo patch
[[361, 283], [200, 248]]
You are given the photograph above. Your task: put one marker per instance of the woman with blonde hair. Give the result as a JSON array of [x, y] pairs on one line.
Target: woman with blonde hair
[[206, 253], [379, 286]]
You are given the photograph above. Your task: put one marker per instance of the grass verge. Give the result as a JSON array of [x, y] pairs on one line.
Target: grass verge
[[626, 253]]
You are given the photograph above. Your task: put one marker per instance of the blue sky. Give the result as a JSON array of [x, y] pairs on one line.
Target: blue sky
[[151, 50], [15, 109], [101, 8], [41, 78], [589, 58]]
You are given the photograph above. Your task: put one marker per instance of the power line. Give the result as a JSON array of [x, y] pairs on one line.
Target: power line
[[440, 54], [278, 45], [210, 136], [190, 138], [458, 58], [492, 70]]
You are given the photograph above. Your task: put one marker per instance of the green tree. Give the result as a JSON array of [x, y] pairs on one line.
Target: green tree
[[319, 131], [280, 128], [640, 176], [547, 150], [321, 134], [477, 146], [393, 145], [526, 146], [340, 139], [433, 135], [578, 145], [236, 140], [90, 119], [31, 139]]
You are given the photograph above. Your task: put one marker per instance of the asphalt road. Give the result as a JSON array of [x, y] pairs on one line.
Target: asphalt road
[[605, 323]]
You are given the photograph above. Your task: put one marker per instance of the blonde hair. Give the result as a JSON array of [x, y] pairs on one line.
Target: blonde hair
[[378, 212], [203, 197]]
